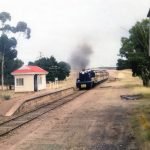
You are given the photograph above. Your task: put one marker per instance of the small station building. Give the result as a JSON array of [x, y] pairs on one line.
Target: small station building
[[29, 78]]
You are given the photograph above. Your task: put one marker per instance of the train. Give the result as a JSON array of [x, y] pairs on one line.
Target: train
[[87, 79]]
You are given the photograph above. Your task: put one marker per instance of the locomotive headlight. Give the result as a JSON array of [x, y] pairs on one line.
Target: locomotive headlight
[[78, 80]]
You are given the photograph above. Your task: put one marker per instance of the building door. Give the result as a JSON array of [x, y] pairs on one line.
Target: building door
[[35, 82]]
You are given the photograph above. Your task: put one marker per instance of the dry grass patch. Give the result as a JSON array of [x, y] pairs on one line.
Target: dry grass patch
[[141, 125], [140, 119], [6, 95], [9, 94], [141, 114]]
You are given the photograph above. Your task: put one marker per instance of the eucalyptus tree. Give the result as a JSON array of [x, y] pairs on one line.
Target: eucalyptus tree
[[8, 41]]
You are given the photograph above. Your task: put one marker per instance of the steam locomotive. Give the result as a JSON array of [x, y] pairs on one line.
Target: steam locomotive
[[89, 78]]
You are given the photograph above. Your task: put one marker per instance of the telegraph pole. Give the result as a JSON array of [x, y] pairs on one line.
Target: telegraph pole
[[148, 15]]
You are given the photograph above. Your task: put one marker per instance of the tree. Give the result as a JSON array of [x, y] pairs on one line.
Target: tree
[[11, 65], [55, 70], [64, 70], [122, 64], [134, 51], [8, 43]]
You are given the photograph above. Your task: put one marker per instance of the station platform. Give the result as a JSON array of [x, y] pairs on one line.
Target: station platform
[[9, 107]]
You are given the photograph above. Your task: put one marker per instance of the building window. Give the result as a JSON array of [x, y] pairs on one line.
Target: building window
[[19, 81]]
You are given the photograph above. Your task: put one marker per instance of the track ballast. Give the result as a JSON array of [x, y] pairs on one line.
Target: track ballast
[[18, 121]]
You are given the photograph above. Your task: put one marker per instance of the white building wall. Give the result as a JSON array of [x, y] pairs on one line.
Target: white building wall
[[28, 83]]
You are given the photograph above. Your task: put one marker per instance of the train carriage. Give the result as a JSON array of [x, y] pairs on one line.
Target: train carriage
[[89, 78]]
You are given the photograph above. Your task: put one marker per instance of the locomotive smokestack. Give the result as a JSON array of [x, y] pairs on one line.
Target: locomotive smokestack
[[81, 56]]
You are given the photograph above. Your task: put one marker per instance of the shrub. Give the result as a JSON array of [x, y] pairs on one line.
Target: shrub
[[6, 97]]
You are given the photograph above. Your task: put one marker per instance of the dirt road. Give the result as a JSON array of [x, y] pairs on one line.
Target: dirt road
[[97, 120]]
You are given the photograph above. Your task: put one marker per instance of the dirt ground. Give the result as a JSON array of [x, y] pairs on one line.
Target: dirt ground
[[97, 120]]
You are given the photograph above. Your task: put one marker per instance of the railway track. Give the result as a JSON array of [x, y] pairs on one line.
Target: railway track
[[18, 121]]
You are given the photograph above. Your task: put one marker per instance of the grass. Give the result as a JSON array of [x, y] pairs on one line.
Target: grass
[[9, 94], [6, 97], [6, 94], [140, 121], [140, 118]]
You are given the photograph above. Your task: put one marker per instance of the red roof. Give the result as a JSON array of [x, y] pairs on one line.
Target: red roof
[[29, 70]]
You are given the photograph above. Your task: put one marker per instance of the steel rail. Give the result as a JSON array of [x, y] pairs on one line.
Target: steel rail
[[18, 121]]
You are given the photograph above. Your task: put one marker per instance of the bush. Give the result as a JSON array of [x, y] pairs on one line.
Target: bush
[[6, 97]]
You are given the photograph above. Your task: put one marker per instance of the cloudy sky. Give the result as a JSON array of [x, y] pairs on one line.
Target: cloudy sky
[[59, 26]]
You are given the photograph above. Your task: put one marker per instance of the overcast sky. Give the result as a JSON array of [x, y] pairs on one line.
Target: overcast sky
[[59, 26]]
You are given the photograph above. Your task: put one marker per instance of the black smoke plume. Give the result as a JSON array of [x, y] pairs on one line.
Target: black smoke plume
[[80, 58]]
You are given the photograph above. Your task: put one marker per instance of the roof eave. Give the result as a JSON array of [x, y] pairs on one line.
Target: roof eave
[[30, 73]]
